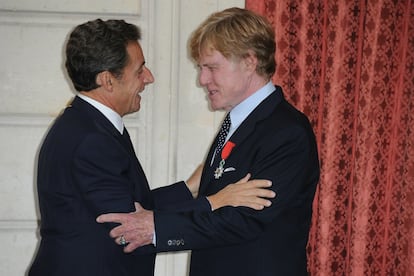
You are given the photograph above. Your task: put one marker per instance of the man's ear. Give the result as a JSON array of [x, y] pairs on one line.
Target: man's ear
[[104, 79], [251, 61]]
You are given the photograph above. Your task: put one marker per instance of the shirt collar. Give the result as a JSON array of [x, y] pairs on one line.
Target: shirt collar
[[110, 114], [240, 112]]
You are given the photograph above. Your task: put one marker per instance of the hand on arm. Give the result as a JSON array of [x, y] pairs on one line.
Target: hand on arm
[[246, 193], [137, 228], [193, 183]]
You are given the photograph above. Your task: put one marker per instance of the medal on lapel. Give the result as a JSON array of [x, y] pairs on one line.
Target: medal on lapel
[[228, 147]]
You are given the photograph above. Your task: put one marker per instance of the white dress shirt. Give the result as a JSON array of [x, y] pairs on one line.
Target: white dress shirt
[[110, 114]]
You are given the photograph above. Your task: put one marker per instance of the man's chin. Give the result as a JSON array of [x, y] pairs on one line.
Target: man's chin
[[215, 107], [136, 109]]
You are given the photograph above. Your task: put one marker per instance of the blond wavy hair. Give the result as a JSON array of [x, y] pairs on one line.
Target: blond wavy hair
[[236, 33]]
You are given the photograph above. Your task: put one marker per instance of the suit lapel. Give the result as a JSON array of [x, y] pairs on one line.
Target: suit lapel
[[105, 126], [261, 112], [100, 121], [126, 140]]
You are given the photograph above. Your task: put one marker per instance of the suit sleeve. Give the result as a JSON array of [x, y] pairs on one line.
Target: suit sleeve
[[288, 160], [177, 197], [171, 194]]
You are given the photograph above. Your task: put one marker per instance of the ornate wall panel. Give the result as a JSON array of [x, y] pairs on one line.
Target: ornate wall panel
[[171, 132], [125, 7]]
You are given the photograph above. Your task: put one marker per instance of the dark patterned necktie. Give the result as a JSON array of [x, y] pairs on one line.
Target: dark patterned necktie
[[225, 127]]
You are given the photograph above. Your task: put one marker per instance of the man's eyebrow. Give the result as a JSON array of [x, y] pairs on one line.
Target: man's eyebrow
[[208, 64], [141, 66]]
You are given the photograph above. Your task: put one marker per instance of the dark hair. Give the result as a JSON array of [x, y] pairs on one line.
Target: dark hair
[[98, 46]]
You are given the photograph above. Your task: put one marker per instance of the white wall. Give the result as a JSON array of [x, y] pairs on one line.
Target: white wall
[[171, 132]]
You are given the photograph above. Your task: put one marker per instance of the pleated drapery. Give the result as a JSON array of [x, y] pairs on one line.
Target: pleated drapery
[[349, 65]]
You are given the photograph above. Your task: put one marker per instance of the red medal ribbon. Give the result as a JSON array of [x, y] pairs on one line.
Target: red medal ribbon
[[228, 147]]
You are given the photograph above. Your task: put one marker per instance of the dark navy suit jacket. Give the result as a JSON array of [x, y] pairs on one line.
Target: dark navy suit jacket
[[87, 168], [275, 142]]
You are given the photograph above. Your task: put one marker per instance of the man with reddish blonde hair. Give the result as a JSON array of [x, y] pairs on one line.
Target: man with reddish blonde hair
[[234, 50]]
